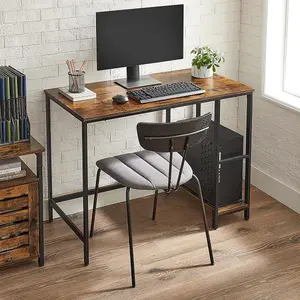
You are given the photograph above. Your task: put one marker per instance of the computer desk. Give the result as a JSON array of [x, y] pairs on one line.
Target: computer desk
[[102, 108]]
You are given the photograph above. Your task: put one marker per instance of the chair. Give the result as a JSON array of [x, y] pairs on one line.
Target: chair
[[159, 166]]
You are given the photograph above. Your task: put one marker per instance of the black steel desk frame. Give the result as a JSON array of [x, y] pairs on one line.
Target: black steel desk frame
[[217, 162]]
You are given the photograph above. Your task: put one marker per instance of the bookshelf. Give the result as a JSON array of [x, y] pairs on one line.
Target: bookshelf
[[21, 208]]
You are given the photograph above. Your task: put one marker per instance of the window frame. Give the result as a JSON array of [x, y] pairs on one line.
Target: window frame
[[276, 78], [284, 88]]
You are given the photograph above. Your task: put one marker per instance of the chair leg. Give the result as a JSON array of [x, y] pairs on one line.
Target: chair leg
[[205, 220], [95, 203], [154, 205], [130, 237]]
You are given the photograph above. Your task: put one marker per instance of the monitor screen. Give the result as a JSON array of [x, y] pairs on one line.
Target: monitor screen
[[133, 37]]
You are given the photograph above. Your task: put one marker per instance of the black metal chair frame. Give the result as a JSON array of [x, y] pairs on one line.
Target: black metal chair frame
[[178, 140]]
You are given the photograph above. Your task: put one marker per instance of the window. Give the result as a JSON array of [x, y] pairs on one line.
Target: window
[[292, 49], [282, 55]]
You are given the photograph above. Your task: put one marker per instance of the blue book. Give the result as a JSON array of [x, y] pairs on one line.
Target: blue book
[[2, 111], [14, 122], [21, 106]]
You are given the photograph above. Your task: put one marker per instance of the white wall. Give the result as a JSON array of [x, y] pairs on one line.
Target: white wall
[[38, 36], [276, 130]]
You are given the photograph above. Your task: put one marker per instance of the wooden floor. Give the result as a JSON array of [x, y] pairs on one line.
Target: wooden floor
[[257, 259]]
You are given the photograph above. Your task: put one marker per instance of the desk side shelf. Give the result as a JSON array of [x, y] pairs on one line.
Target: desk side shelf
[[223, 210]]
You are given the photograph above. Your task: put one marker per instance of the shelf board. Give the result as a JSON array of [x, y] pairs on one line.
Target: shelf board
[[20, 149], [224, 210], [232, 208], [29, 178]]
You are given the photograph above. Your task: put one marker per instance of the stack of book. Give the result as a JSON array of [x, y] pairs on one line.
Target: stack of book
[[14, 123], [11, 169], [86, 95]]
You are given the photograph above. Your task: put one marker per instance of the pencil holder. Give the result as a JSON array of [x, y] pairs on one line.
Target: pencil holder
[[76, 82]]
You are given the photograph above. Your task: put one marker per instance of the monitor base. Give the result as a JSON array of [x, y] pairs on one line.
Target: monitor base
[[141, 82]]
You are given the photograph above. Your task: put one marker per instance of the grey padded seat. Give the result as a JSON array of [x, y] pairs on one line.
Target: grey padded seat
[[145, 170]]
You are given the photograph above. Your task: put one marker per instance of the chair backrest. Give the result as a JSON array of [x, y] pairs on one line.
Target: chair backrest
[[173, 137]]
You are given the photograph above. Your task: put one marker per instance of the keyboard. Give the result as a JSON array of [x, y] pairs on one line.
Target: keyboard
[[165, 92]]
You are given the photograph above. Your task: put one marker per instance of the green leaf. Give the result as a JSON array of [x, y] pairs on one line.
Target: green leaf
[[206, 56]]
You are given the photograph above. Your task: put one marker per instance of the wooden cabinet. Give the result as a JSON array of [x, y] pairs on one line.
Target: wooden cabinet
[[21, 207], [19, 238]]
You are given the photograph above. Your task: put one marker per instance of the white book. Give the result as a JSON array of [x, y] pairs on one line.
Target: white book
[[86, 95], [12, 176], [11, 170], [10, 163]]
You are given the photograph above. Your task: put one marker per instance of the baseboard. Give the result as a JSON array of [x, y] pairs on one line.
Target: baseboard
[[276, 189], [108, 198]]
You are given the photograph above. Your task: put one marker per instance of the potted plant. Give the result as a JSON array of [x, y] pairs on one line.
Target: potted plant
[[205, 62]]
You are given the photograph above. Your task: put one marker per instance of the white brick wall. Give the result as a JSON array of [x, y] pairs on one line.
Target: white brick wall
[[37, 36], [10, 5], [17, 16], [276, 131]]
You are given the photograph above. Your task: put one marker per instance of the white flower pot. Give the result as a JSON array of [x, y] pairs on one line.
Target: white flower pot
[[203, 72]]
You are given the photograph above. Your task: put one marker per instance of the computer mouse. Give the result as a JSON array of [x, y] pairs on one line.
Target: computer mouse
[[120, 99]]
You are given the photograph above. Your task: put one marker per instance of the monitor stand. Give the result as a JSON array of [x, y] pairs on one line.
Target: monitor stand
[[134, 80]]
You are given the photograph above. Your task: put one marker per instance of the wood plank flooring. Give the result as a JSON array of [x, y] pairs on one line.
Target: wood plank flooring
[[255, 260]]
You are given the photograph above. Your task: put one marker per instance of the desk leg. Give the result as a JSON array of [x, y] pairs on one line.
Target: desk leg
[[198, 110], [49, 157], [248, 152], [39, 167], [168, 115], [216, 164], [85, 193]]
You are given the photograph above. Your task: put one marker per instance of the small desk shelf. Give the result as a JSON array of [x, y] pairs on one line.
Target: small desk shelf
[[21, 207]]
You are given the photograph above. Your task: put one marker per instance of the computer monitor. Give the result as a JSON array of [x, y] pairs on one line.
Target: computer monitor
[[129, 38]]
